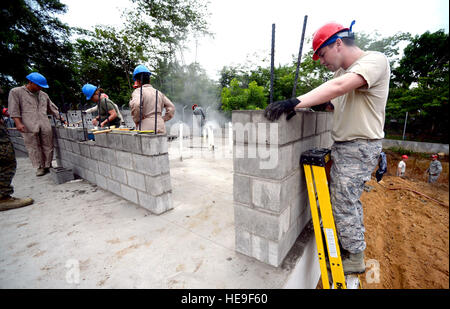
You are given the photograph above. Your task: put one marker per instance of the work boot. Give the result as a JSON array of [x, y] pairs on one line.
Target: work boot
[[40, 172], [9, 202], [46, 170], [354, 263]]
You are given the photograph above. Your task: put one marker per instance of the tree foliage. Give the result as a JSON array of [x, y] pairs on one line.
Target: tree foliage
[[420, 86], [236, 97], [33, 39]]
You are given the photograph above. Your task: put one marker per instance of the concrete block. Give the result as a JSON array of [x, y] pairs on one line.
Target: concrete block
[[114, 141], [76, 147], [101, 181], [62, 132], [136, 180], [146, 165], [118, 174], [301, 146], [164, 163], [253, 127], [131, 143], [329, 122], [147, 201], [108, 155], [242, 189], [163, 203], [96, 152], [285, 132], [89, 176], [243, 241], [260, 248], [113, 186], [85, 151], [309, 124], [101, 139], [153, 145], [158, 185], [92, 165], [256, 222], [321, 125], [104, 169], [299, 207], [163, 145], [124, 159], [267, 194], [68, 145], [129, 194], [61, 174], [272, 162]]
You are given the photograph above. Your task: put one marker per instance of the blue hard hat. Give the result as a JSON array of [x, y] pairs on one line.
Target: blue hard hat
[[140, 69], [38, 79], [88, 90]]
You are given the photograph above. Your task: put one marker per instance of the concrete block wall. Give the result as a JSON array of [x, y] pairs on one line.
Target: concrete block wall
[[269, 191], [17, 140], [135, 167]]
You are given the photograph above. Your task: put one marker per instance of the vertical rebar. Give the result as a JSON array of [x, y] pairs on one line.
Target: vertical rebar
[[299, 56], [272, 60], [140, 103], [156, 111], [404, 127]]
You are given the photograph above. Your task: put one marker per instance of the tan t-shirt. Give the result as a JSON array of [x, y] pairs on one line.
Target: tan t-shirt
[[360, 113]]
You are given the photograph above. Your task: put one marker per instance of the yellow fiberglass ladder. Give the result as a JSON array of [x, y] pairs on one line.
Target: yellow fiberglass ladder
[[314, 162]]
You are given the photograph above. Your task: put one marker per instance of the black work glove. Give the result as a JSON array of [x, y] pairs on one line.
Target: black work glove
[[275, 109]]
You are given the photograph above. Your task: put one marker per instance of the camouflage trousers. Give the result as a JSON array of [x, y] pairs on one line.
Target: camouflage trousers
[[353, 164], [432, 178], [8, 166]]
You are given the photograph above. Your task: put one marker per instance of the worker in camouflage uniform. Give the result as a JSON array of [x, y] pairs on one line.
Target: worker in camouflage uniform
[[358, 92], [29, 106], [7, 170], [434, 170]]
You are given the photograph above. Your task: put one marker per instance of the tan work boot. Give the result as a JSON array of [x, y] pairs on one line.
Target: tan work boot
[[40, 172], [12, 202], [354, 263]]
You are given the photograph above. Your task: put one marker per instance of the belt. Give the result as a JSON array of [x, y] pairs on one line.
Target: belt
[[358, 139]]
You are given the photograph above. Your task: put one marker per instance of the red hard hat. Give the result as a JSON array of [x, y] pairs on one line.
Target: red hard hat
[[326, 32], [434, 156], [5, 111], [194, 106], [404, 157]]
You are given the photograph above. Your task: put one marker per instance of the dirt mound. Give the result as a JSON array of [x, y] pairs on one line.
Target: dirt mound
[[407, 234], [407, 228]]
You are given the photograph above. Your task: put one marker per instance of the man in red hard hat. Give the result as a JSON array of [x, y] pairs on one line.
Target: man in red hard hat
[[358, 91], [435, 169], [401, 168]]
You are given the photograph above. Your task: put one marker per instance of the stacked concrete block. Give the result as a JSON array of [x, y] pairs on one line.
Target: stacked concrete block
[[269, 191], [133, 166], [61, 175], [17, 140]]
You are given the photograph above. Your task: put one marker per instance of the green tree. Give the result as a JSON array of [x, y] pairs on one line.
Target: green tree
[[34, 39], [421, 87], [235, 97]]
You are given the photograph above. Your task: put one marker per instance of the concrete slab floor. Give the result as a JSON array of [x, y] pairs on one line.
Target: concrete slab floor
[[77, 235]]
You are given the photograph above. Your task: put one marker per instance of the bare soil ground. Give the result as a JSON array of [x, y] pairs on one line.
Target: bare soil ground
[[407, 228]]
